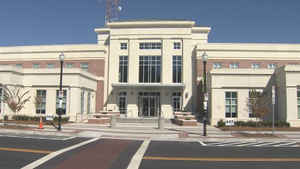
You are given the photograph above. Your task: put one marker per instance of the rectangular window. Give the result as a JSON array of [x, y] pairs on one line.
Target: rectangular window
[[177, 69], [50, 65], [41, 99], [84, 66], [230, 104], [82, 101], [69, 65], [123, 46], [149, 69], [177, 45], [298, 102], [176, 101], [88, 103], [64, 102], [255, 65], [156, 45], [19, 65], [217, 65], [36, 66], [272, 66], [122, 102], [1, 99], [123, 69], [233, 65]]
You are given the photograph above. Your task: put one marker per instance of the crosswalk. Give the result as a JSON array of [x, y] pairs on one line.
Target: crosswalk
[[252, 144]]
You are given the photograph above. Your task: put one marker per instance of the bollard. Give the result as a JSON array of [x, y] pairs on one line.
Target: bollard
[[113, 121], [161, 123]]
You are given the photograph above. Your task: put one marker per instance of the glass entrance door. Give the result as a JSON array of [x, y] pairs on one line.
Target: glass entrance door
[[149, 104]]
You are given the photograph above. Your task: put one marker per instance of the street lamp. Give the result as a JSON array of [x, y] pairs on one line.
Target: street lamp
[[60, 94], [204, 59]]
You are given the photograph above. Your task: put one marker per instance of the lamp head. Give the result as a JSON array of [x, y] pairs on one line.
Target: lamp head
[[61, 57], [204, 56]]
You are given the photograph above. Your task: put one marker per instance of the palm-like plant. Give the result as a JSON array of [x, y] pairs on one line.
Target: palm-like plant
[[14, 98]]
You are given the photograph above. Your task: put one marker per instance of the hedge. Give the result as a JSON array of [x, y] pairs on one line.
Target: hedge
[[221, 123], [36, 118]]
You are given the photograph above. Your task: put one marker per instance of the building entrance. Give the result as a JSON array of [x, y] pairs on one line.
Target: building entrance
[[149, 104]]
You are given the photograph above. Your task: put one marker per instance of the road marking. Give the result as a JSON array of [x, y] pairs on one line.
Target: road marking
[[284, 144], [138, 156], [38, 137], [223, 159], [247, 144], [201, 142], [268, 144], [25, 150], [56, 153]]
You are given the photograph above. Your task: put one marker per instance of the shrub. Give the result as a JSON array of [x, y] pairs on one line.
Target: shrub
[[221, 123], [63, 119], [5, 117]]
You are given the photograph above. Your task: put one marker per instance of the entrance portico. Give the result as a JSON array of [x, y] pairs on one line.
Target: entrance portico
[[146, 100]]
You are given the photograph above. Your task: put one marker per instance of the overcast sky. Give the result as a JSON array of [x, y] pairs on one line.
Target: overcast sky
[[40, 22]]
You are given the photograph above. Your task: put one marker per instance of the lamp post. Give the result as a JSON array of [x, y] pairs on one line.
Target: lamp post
[[60, 93], [204, 59]]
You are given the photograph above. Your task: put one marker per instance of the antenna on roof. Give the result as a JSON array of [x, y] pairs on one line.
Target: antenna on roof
[[113, 9]]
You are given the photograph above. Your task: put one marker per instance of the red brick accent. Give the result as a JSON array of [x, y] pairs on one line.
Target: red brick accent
[[96, 66], [99, 121], [100, 96], [242, 63]]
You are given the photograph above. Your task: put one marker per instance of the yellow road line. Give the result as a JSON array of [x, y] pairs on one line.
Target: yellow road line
[[222, 159], [25, 150]]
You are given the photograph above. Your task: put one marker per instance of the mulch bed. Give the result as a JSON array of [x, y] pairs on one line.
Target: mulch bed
[[259, 129], [256, 135]]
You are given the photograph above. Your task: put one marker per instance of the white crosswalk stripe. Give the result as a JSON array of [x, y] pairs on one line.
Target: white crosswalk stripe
[[252, 144]]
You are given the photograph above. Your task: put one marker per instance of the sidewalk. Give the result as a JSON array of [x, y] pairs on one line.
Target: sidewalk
[[147, 130]]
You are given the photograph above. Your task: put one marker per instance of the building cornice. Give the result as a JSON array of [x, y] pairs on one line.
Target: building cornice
[[248, 47], [52, 49], [143, 24]]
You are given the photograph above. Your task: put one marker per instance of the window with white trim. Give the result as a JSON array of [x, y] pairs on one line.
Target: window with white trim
[[69, 65], [84, 66], [231, 104], [150, 45], [177, 69], [36, 66], [1, 99], [123, 46], [123, 69], [149, 69], [217, 65], [41, 95], [233, 65], [272, 66], [177, 45], [298, 102], [255, 65], [19, 65], [50, 65], [176, 101]]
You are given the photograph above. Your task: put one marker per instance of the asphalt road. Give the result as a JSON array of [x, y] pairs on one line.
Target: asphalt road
[[19, 151], [178, 155]]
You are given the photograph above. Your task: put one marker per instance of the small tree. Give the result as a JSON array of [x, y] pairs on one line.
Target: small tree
[[38, 102], [14, 98], [258, 104]]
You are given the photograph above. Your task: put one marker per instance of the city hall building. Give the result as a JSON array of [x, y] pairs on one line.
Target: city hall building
[[144, 68]]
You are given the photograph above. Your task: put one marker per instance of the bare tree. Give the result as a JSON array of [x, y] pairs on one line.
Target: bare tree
[[258, 104], [15, 98], [38, 102]]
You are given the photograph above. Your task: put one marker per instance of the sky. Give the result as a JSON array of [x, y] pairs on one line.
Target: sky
[[47, 22]]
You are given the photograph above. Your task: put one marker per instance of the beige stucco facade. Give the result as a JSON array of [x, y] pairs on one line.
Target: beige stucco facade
[[95, 68]]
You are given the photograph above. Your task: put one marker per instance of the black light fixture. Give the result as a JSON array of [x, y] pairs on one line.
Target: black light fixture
[[204, 59], [60, 93]]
